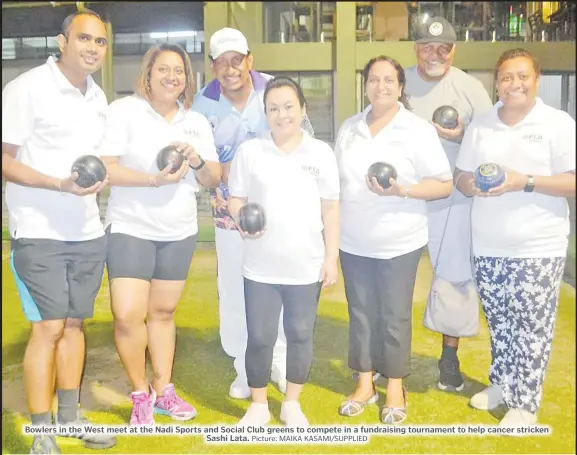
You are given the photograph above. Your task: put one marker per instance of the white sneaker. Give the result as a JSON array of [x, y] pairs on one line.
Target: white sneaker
[[239, 389], [292, 415], [488, 399], [256, 415], [279, 377], [516, 418]]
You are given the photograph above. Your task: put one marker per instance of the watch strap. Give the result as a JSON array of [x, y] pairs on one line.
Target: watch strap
[[202, 163], [530, 186]]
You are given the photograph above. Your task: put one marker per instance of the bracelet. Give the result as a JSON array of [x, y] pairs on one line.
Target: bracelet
[[152, 181], [407, 193], [59, 187], [200, 166]]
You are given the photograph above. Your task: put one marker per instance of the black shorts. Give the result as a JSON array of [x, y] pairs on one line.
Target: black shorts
[[57, 279], [133, 257]]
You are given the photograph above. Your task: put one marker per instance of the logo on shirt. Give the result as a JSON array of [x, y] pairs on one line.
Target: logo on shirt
[[533, 137], [192, 133], [313, 170], [213, 120]]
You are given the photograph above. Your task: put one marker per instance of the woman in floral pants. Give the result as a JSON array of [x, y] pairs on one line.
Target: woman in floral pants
[[520, 231]]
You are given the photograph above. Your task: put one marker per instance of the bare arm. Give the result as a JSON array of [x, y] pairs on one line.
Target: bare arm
[[559, 185], [431, 189], [330, 212], [465, 183], [21, 174], [234, 206], [209, 175], [225, 172], [428, 189], [120, 175]]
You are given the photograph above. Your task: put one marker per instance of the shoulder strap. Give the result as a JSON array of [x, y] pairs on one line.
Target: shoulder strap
[[446, 222]]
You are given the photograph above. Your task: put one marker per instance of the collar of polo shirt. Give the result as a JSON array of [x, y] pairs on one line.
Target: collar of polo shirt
[[64, 84], [400, 120], [305, 141], [179, 115], [213, 89], [535, 115]]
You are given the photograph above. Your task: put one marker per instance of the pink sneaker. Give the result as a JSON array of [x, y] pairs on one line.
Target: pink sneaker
[[142, 407], [170, 404]]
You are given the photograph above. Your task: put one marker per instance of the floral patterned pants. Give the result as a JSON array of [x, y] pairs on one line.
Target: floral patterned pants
[[519, 298]]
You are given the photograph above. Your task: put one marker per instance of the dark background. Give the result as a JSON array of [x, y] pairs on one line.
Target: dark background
[[126, 17]]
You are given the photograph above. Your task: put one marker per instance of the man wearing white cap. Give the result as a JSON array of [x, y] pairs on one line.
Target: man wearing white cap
[[433, 83], [233, 104]]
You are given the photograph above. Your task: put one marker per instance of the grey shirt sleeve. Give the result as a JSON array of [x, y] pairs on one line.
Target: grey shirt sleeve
[[478, 98]]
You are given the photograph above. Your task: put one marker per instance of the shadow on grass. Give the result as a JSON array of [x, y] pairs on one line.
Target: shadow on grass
[[331, 342], [204, 372], [12, 439]]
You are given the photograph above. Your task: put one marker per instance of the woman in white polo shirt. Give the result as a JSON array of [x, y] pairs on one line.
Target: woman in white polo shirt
[[520, 231], [384, 230], [294, 177], [151, 221]]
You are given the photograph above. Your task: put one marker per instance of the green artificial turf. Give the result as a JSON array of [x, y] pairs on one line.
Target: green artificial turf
[[203, 373]]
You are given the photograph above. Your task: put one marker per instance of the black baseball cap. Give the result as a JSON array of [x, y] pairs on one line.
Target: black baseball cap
[[436, 30]]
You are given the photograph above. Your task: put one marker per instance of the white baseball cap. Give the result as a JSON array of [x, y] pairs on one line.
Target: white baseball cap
[[227, 39]]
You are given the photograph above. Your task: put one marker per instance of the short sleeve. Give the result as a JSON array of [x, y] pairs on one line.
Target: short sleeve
[[328, 183], [17, 112], [115, 139], [338, 141], [563, 146], [239, 177], [431, 160], [466, 158], [206, 148]]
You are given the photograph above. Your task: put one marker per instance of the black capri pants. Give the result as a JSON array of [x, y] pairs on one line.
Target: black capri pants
[[379, 293], [263, 303]]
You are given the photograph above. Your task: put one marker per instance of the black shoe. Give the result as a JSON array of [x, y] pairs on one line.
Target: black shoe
[[450, 378], [44, 444]]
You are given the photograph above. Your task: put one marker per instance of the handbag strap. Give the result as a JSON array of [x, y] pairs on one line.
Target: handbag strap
[[446, 223]]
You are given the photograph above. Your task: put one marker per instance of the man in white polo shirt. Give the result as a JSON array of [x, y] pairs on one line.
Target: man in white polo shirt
[[52, 115], [432, 83], [233, 104]]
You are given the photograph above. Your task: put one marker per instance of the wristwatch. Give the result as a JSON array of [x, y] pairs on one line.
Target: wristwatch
[[530, 186], [199, 167]]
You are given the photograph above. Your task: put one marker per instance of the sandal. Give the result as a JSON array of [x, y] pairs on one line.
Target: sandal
[[352, 408], [395, 416]]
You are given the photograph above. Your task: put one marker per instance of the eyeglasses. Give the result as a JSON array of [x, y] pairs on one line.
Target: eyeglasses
[[235, 62]]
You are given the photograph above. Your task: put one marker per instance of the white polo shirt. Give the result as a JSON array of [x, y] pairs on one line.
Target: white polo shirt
[[53, 123], [231, 128], [289, 186], [385, 227], [519, 224], [135, 133]]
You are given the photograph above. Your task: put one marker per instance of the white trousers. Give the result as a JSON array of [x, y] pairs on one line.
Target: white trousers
[[455, 263], [230, 283]]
